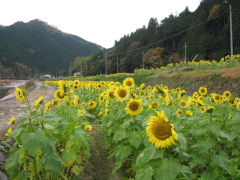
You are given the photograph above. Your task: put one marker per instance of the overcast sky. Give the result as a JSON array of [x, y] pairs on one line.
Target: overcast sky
[[98, 21]]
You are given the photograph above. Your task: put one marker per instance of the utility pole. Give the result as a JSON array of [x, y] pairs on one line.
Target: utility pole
[[176, 13], [231, 38], [117, 65], [70, 69], [86, 68], [81, 71], [143, 60], [105, 63], [185, 46]]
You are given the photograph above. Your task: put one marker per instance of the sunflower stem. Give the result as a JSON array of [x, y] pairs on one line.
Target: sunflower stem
[[134, 123], [30, 119], [35, 168]]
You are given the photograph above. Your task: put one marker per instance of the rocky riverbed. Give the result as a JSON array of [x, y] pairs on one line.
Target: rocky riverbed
[[9, 106]]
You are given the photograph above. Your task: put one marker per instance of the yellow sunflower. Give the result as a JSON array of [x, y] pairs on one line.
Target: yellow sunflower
[[75, 86], [216, 97], [134, 107], [81, 112], [210, 109], [48, 105], [76, 82], [226, 95], [39, 101], [149, 88], [160, 131], [179, 112], [184, 104], [202, 91], [128, 82], [142, 85], [122, 93], [11, 120], [195, 94], [238, 106], [59, 94], [9, 131], [19, 94], [99, 114], [200, 102], [106, 111], [189, 113], [92, 104], [153, 105], [203, 109], [88, 127], [133, 95]]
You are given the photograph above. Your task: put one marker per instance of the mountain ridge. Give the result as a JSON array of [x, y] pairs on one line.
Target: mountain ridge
[[41, 47]]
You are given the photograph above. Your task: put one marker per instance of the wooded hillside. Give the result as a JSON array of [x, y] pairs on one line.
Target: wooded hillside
[[39, 46], [205, 33]]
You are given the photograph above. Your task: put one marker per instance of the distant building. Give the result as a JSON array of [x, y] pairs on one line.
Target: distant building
[[77, 74], [46, 76]]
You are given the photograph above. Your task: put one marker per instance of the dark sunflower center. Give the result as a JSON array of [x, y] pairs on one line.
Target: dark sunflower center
[[202, 90], [183, 103], [122, 93], [162, 129], [129, 83], [154, 105], [134, 106], [217, 97], [60, 95]]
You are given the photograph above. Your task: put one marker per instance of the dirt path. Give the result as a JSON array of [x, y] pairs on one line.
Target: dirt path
[[11, 107]]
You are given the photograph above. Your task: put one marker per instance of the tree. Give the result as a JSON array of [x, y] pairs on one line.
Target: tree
[[153, 58], [213, 12]]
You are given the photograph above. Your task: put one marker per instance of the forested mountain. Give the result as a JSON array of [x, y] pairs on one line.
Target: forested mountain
[[28, 48], [205, 32]]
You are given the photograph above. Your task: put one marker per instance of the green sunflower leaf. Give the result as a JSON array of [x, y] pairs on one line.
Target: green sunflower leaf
[[204, 144], [207, 176], [33, 141], [69, 156], [121, 153], [150, 152], [18, 175], [182, 141], [52, 162], [133, 138], [12, 161], [167, 169], [221, 160], [145, 173], [119, 135], [228, 136], [51, 117], [187, 172]]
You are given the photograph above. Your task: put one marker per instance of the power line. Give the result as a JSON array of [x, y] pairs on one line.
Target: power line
[[172, 35]]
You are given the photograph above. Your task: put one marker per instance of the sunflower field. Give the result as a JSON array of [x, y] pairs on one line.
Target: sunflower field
[[152, 132]]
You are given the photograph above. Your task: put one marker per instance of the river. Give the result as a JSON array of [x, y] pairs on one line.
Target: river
[[6, 87]]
